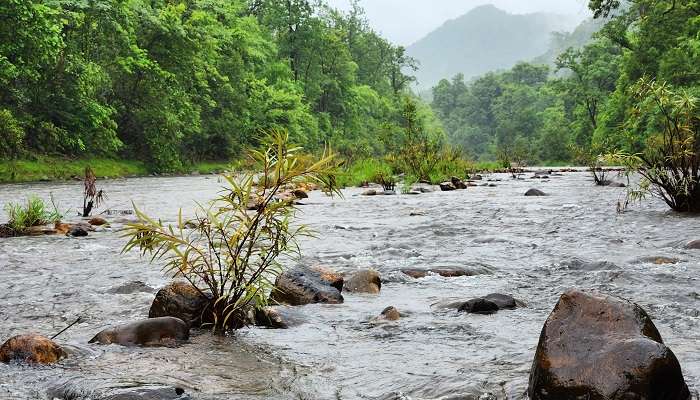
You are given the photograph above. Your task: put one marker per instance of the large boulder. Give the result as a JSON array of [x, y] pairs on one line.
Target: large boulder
[[301, 286], [164, 331], [181, 300], [31, 349], [363, 281], [600, 347]]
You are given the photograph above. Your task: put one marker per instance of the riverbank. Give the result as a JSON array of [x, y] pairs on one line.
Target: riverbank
[[61, 169]]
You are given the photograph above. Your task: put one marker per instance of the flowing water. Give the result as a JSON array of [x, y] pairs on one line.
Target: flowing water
[[336, 353]]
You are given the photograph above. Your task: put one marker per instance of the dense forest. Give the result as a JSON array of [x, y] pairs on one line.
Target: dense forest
[[176, 82], [587, 104]]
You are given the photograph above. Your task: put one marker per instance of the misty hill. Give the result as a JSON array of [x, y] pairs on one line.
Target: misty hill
[[560, 41], [485, 39]]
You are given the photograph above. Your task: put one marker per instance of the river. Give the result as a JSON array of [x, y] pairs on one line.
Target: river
[[336, 353]]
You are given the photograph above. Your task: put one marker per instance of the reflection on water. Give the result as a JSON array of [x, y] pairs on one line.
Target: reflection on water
[[526, 243]]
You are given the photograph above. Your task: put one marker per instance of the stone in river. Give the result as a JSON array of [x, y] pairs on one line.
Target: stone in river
[[32, 349], [163, 331], [600, 347]]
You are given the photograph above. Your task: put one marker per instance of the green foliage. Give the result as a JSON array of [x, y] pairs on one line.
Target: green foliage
[[233, 253], [177, 83], [33, 213], [670, 164]]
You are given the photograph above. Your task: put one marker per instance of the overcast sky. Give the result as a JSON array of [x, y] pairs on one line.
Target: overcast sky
[[405, 21]]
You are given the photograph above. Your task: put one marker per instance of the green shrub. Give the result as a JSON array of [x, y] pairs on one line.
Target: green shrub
[[232, 252], [33, 213]]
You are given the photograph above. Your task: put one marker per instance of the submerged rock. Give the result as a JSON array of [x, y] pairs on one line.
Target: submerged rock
[[658, 260], [363, 281], [447, 272], [32, 349], [479, 306], [149, 393], [370, 192], [180, 300], [301, 286], [132, 287], [162, 331], [577, 264], [596, 346], [612, 184], [535, 192]]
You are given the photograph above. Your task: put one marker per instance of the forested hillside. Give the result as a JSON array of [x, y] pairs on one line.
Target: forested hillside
[[483, 40], [173, 83], [593, 106]]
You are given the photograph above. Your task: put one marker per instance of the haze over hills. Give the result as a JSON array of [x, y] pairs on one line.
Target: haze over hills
[[485, 39]]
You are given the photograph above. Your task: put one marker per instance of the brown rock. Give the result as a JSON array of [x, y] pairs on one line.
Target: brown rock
[[181, 300], [600, 347], [97, 221], [32, 349], [363, 281], [41, 230], [162, 331], [447, 272], [301, 286], [391, 314]]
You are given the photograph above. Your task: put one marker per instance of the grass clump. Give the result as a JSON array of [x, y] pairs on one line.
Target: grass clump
[[32, 213], [232, 254]]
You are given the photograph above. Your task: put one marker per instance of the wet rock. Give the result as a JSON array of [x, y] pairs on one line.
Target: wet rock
[[370, 192], [477, 177], [363, 281], [163, 393], [32, 349], [535, 192], [300, 194], [163, 331], [596, 346], [422, 188], [479, 306], [131, 288], [447, 272], [612, 184], [447, 187], [388, 193], [390, 314], [414, 193], [180, 300], [6, 231], [269, 317], [692, 245], [576, 264], [301, 286], [97, 221], [77, 231], [503, 301], [41, 230], [458, 183]]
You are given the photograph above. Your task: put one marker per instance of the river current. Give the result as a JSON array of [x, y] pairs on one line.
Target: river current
[[524, 244]]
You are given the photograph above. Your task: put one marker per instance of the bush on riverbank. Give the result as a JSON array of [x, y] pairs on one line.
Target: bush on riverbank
[[231, 254], [670, 164]]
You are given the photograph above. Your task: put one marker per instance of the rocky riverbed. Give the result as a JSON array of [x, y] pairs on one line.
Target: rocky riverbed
[[533, 248]]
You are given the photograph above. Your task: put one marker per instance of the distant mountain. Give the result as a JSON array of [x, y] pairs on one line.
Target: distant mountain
[[561, 41], [485, 39]]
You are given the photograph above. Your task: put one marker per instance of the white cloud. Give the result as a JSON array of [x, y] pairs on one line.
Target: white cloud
[[405, 21]]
